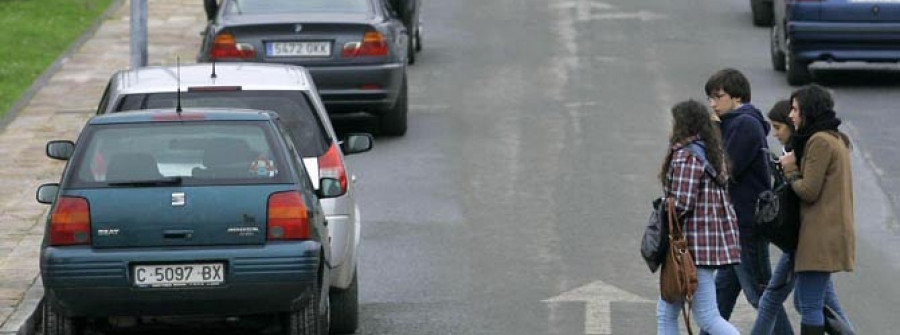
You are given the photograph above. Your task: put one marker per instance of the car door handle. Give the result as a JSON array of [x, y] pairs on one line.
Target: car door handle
[[178, 234]]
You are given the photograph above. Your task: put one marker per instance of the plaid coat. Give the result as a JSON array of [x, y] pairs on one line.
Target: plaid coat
[[704, 209]]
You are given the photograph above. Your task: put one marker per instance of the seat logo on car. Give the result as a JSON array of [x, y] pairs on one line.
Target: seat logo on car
[[875, 10], [178, 199], [298, 28]]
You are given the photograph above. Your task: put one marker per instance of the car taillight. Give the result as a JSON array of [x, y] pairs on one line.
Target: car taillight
[[70, 222], [225, 47], [373, 44], [332, 166], [287, 218]]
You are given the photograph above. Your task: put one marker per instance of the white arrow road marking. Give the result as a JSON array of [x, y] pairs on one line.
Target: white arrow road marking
[[583, 8], [640, 15], [597, 297]]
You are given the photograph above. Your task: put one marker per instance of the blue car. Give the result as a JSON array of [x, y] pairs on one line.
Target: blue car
[[201, 213], [806, 31]]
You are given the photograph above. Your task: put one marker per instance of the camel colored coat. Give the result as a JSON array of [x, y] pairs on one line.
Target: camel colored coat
[[827, 240]]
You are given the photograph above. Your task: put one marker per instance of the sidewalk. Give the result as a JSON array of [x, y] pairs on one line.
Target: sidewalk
[[58, 111]]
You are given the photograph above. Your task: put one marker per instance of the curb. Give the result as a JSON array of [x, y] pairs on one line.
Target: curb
[[24, 319], [41, 81]]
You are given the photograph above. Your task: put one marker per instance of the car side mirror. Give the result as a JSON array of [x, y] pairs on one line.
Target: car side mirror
[[47, 193], [357, 143], [211, 8], [60, 149], [329, 188]]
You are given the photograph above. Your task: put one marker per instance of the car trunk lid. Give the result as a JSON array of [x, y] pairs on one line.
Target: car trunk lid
[[178, 216], [860, 10]]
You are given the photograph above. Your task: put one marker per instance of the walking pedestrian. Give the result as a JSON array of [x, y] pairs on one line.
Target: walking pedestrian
[[783, 278], [744, 132], [694, 174], [824, 183]]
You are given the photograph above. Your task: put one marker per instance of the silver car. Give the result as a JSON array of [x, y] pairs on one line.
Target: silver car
[[289, 91], [356, 50]]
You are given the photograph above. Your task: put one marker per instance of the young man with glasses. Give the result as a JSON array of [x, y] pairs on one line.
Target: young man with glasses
[[744, 132]]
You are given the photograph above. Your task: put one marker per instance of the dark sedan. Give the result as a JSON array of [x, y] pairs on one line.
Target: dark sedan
[[806, 31], [356, 50]]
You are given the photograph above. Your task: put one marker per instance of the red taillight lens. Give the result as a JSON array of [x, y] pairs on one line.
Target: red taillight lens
[[225, 47], [70, 222], [373, 44], [288, 218], [332, 166]]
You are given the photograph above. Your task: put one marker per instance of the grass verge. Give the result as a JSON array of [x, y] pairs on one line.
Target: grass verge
[[33, 33]]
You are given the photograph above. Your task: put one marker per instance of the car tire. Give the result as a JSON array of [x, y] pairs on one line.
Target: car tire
[[306, 320], [345, 308], [410, 52], [778, 57], [393, 122], [797, 71], [55, 324], [762, 13]]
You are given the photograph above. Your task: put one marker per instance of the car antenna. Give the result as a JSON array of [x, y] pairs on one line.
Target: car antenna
[[213, 75], [178, 81]]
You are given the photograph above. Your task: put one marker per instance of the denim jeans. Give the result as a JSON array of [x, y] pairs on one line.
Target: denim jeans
[[811, 293], [781, 285], [704, 310], [751, 276]]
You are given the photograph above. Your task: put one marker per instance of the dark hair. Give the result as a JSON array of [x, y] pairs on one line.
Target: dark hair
[[691, 118], [816, 107], [780, 112], [732, 82]]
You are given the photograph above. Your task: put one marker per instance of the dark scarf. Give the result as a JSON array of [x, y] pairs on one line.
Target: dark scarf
[[825, 121]]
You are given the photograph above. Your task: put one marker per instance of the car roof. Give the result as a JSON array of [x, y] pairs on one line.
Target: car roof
[[249, 76], [188, 115]]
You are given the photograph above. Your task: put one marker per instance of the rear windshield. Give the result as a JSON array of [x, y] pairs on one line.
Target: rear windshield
[[178, 153], [296, 6], [294, 108]]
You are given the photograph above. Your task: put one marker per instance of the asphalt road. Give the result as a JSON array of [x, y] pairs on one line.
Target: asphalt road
[[537, 129]]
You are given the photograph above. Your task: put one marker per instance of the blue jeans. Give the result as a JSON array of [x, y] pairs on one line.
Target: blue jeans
[[781, 285], [751, 277], [811, 293], [704, 310]]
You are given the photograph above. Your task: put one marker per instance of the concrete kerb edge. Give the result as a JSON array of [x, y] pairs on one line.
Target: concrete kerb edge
[[23, 321], [57, 64]]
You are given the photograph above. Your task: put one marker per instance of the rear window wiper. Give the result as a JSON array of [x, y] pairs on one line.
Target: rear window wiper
[[152, 182]]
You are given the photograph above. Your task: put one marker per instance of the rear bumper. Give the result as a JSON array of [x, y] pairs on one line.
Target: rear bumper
[[845, 41], [81, 281], [350, 89]]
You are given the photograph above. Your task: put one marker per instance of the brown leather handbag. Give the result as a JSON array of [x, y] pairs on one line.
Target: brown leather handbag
[[678, 278]]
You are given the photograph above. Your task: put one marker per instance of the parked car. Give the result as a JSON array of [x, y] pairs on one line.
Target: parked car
[[289, 91], [356, 50], [762, 12], [834, 31], [194, 213], [408, 11]]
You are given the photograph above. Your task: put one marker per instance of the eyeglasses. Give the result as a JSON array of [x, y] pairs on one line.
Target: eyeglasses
[[716, 96]]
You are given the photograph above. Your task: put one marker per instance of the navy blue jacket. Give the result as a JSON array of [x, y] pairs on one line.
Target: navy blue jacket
[[744, 137]]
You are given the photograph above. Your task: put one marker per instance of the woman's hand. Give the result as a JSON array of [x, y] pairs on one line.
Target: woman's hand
[[788, 162]]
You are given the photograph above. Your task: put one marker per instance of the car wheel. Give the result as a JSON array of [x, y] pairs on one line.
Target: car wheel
[[306, 320], [345, 308], [55, 324], [393, 122], [778, 57], [762, 13], [411, 51], [797, 71]]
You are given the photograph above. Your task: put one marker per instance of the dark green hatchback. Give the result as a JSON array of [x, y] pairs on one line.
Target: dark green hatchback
[[201, 213]]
